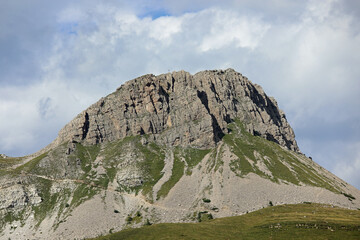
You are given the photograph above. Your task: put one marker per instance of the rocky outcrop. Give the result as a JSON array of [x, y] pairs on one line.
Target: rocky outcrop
[[181, 109], [17, 196]]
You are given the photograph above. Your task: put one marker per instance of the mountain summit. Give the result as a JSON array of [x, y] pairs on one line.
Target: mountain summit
[[170, 148], [178, 109]]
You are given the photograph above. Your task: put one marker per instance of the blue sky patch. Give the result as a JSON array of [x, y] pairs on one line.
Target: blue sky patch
[[68, 28], [155, 13]]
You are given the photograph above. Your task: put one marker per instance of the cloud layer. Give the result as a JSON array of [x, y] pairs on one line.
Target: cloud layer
[[304, 53]]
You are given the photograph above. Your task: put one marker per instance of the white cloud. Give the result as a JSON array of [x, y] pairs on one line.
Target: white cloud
[[163, 28], [228, 28], [348, 167]]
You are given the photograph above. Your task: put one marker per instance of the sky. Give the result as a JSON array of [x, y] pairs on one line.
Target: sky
[[59, 57]]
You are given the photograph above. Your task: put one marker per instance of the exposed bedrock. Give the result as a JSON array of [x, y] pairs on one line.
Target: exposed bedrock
[[193, 110]]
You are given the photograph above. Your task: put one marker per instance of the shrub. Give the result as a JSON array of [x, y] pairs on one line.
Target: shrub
[[204, 216], [147, 222], [271, 204], [116, 211], [129, 219], [206, 200], [349, 196]]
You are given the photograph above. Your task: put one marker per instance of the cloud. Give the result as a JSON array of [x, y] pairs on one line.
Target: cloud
[[348, 167], [228, 28], [304, 53], [44, 107]]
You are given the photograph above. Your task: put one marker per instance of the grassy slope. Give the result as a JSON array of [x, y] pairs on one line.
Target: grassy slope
[[150, 160], [300, 221], [282, 164], [192, 157]]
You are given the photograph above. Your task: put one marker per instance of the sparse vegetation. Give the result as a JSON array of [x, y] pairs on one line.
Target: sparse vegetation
[[136, 218], [30, 165], [204, 216], [9, 162], [349, 196], [147, 222], [48, 200], [177, 173], [87, 155], [193, 157], [215, 162], [128, 219], [282, 164], [206, 200], [82, 193], [151, 166]]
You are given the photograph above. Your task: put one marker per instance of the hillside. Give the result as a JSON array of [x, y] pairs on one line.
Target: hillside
[[163, 149], [300, 221]]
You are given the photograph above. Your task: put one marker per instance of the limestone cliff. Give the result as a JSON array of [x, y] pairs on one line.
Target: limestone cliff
[[182, 109]]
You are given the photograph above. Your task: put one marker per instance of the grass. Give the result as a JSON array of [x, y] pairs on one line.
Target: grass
[[282, 164], [82, 193], [49, 200], [9, 217], [300, 221], [135, 219], [177, 173], [114, 150], [30, 165], [193, 157], [9, 162], [152, 165], [149, 160], [215, 163], [87, 155]]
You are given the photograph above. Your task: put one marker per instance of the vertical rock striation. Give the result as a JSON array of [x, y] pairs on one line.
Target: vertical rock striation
[[181, 109]]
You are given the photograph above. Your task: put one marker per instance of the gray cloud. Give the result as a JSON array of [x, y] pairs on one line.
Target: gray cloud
[[305, 54], [44, 107]]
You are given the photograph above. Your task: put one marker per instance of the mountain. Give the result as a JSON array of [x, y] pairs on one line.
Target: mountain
[[170, 148]]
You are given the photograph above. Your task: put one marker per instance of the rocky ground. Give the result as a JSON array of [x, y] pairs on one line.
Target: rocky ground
[[229, 195]]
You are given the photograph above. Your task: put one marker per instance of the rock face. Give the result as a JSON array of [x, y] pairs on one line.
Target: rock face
[[17, 196], [182, 109], [165, 148]]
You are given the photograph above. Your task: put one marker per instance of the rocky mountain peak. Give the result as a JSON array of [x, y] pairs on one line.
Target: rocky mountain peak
[[182, 109], [170, 148]]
